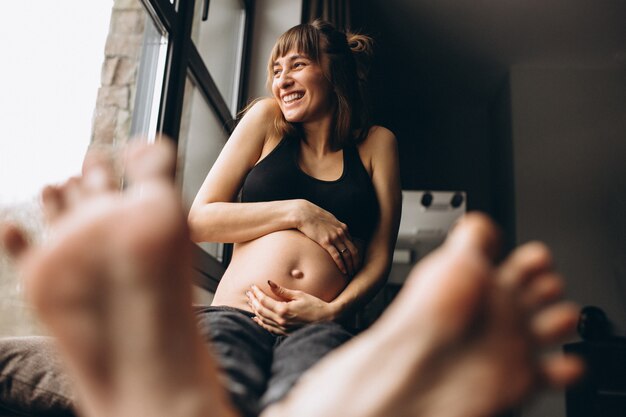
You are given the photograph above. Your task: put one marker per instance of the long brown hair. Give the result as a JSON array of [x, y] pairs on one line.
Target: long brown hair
[[346, 67]]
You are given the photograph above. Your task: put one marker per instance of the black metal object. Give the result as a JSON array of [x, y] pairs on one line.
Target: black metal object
[[205, 10], [602, 390], [208, 88], [427, 199], [246, 51], [593, 325], [456, 200], [183, 59], [163, 13]]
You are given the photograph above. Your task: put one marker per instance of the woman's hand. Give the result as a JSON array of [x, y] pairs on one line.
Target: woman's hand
[[323, 228], [281, 317]]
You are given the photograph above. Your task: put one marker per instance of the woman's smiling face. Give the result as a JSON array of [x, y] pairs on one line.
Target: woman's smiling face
[[303, 93]]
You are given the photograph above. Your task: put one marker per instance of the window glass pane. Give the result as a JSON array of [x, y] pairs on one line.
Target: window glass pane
[[201, 139], [150, 70], [219, 41], [52, 56]]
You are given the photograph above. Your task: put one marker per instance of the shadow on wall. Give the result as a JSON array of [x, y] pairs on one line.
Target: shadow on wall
[[16, 316]]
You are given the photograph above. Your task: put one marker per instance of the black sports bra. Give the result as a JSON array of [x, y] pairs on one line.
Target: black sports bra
[[351, 198]]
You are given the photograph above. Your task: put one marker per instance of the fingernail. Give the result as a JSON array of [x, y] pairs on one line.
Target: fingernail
[[249, 294]]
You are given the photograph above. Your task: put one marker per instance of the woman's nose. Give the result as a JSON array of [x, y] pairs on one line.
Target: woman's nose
[[285, 80]]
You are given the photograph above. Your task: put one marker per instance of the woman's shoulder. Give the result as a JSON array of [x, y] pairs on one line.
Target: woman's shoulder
[[379, 144], [378, 139], [254, 127], [261, 109]]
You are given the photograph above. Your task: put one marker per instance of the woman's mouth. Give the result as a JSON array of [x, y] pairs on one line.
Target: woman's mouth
[[290, 98]]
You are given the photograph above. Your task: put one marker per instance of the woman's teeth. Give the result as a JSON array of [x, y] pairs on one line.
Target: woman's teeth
[[292, 97]]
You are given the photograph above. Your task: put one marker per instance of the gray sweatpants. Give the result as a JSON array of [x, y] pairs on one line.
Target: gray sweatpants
[[259, 367]]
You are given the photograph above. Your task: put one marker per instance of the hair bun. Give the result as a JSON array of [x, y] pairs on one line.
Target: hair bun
[[360, 44]]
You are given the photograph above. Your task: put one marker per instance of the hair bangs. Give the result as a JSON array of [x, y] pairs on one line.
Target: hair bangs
[[343, 58], [303, 39]]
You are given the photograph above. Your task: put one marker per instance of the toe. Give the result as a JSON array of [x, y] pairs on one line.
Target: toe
[[146, 162], [72, 192], [559, 371], [543, 290], [475, 233], [13, 240], [444, 293], [98, 172], [554, 324], [525, 263], [52, 202]]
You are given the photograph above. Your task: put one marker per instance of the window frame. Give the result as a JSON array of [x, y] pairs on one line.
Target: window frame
[[183, 58]]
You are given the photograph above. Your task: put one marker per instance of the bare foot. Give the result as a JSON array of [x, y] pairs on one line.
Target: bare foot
[[113, 286], [463, 339]]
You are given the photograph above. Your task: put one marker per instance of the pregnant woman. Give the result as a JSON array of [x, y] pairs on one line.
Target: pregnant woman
[[113, 281], [317, 219]]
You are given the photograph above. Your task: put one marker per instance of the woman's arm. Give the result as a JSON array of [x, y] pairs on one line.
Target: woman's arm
[[382, 146], [214, 216], [299, 307]]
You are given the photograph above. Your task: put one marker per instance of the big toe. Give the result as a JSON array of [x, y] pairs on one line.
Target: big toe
[[449, 286], [475, 233], [146, 162]]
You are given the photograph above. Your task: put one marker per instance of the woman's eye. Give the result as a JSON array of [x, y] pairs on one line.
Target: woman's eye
[[298, 64], [276, 72]]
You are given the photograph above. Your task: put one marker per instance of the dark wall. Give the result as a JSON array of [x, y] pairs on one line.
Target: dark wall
[[570, 157], [451, 126]]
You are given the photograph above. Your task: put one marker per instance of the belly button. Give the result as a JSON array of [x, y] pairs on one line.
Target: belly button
[[296, 273]]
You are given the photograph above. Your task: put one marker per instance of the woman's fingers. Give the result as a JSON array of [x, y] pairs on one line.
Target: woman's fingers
[[344, 252], [350, 255], [267, 307], [323, 227], [267, 321], [335, 253], [265, 317], [282, 292], [269, 327]]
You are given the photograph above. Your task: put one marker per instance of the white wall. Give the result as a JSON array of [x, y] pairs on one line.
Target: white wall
[[569, 141], [272, 18]]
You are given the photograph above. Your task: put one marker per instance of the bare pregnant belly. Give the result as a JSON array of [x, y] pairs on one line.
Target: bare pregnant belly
[[286, 257]]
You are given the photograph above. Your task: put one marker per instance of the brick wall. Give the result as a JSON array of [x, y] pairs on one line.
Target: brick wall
[[116, 96]]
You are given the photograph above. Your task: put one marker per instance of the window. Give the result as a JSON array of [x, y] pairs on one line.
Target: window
[[204, 80], [149, 86], [50, 77], [219, 37]]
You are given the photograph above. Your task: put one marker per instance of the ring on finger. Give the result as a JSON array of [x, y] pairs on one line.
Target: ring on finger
[[342, 251]]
